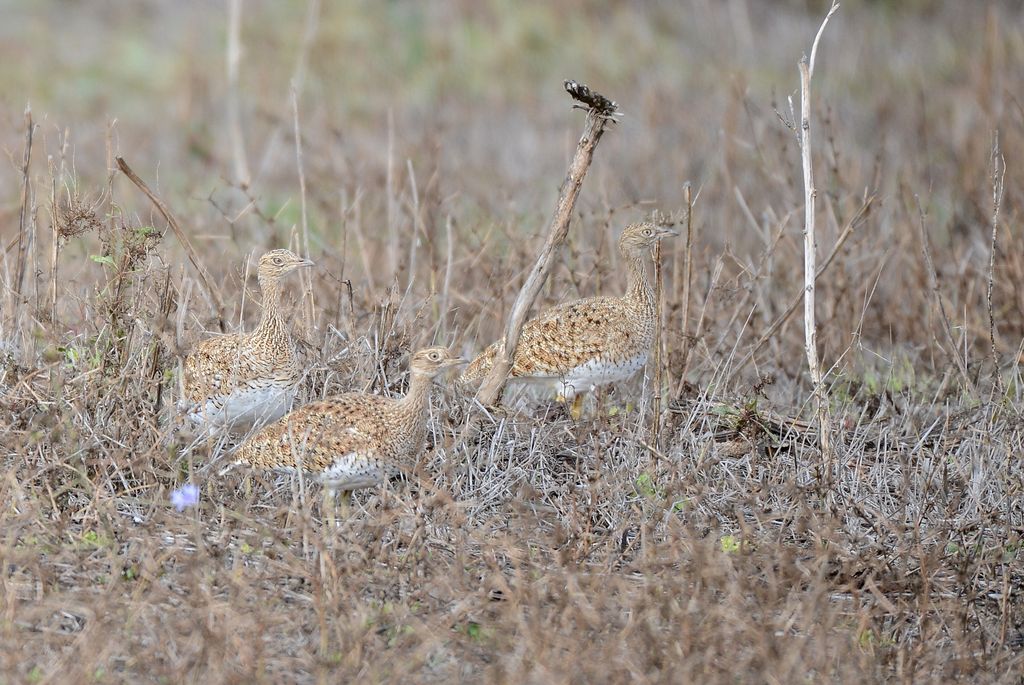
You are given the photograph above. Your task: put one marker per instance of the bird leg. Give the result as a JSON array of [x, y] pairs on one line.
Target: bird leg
[[330, 503], [576, 410]]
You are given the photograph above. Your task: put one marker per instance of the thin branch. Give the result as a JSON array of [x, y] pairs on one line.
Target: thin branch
[[659, 356], [307, 279], [817, 37], [26, 197], [810, 240], [446, 285], [998, 175], [182, 238], [687, 278], [600, 111]]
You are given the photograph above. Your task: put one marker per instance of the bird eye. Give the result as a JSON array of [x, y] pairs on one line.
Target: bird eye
[[648, 231], [435, 356], [278, 261]]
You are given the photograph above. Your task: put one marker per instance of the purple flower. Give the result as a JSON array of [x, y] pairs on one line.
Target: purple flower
[[185, 496]]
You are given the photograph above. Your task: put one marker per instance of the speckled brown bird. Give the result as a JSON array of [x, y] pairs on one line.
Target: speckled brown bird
[[579, 345], [354, 440], [233, 382]]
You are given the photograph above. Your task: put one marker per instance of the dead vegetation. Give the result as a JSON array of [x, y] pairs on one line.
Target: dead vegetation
[[531, 548]]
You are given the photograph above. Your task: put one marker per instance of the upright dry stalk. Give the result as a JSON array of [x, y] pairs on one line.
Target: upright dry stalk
[[55, 215], [659, 354], [810, 241], [600, 110], [417, 227], [998, 174], [234, 58], [446, 285], [55, 245], [392, 206], [306, 278], [24, 239], [687, 277]]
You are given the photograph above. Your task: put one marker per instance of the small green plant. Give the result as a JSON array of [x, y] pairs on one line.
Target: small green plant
[[729, 543], [868, 639], [645, 486]]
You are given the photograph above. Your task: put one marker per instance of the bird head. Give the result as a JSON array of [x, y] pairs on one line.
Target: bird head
[[278, 263], [643, 236], [433, 361]]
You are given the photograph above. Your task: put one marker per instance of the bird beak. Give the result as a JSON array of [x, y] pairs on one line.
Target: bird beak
[[307, 262], [666, 233], [459, 361]]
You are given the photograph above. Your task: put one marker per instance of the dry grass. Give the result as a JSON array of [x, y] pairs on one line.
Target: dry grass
[[532, 549]]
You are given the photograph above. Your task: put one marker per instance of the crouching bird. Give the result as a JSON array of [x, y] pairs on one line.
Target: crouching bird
[[355, 440]]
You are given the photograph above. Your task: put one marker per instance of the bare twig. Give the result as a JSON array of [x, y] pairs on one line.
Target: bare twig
[[446, 284], [307, 279], [26, 203], [392, 200], [810, 240], [687, 279], [659, 356], [182, 238], [998, 174], [600, 112], [55, 245]]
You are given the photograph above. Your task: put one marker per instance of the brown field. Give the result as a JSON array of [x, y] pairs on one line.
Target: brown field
[[414, 151]]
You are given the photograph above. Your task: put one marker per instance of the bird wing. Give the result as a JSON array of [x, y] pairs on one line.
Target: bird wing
[[218, 366], [571, 334], [316, 434], [561, 338]]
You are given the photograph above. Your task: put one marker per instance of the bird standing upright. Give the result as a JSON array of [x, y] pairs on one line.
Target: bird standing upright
[[236, 381]]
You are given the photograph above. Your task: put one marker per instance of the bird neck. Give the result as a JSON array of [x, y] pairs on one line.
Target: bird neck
[[271, 321], [416, 398], [638, 286]]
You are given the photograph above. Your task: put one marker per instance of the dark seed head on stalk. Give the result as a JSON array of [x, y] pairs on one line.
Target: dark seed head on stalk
[[75, 218], [593, 100]]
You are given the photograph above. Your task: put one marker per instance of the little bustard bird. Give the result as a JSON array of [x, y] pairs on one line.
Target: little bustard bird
[[355, 440], [577, 346], [236, 381]]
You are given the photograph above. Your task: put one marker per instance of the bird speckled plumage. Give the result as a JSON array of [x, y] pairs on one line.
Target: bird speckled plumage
[[579, 345], [236, 381], [354, 440]]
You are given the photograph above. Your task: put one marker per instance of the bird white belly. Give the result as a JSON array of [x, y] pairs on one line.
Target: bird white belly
[[243, 409], [597, 372], [351, 472]]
